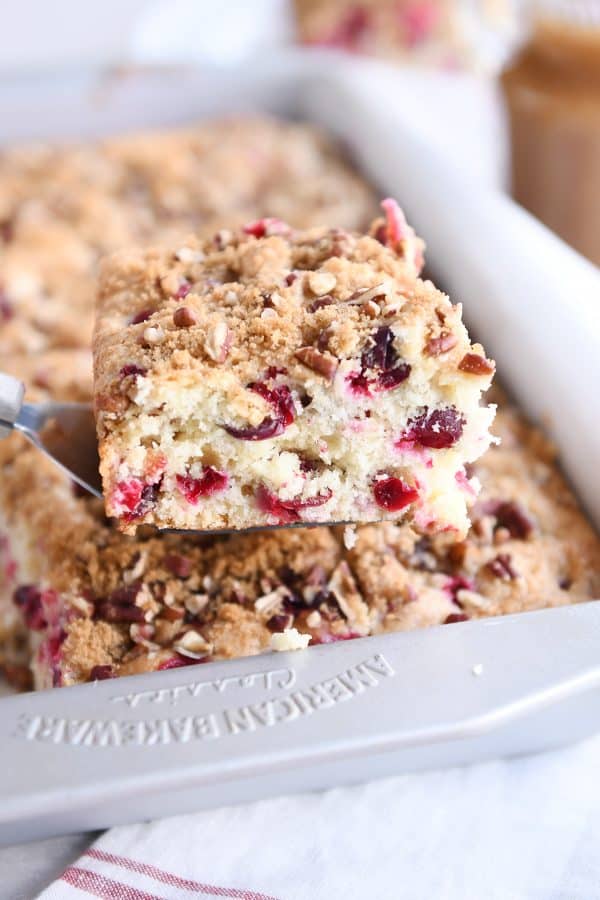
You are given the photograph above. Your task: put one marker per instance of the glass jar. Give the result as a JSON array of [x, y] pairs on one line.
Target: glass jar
[[552, 89]]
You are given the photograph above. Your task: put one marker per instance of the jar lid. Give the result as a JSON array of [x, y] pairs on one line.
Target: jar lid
[[565, 39], [578, 13]]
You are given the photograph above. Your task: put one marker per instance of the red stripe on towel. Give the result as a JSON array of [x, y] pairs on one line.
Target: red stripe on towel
[[99, 886], [174, 880]]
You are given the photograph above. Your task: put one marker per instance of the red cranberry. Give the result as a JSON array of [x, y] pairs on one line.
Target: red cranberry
[[263, 227], [132, 369], [290, 279], [268, 428], [387, 381], [183, 290], [142, 316], [287, 511], [50, 651], [348, 33], [281, 399], [359, 384], [456, 617], [310, 465], [273, 371], [210, 482], [136, 497], [458, 583], [381, 358], [330, 638], [7, 231], [393, 495], [29, 599], [7, 310], [418, 20], [280, 622], [501, 567], [178, 662], [128, 493], [510, 515], [437, 430], [381, 355], [101, 673]]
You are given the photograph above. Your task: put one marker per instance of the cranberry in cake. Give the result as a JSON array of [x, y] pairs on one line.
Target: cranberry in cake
[[271, 376]]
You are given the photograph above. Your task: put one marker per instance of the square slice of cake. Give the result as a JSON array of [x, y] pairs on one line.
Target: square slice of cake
[[272, 377]]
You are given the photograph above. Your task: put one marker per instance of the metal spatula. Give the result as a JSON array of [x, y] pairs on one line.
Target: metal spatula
[[65, 432]]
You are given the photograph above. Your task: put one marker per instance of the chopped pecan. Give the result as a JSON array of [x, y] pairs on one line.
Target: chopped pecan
[[184, 317], [218, 341], [112, 403], [442, 344], [114, 612], [181, 566], [172, 613], [370, 309], [321, 283], [320, 303], [153, 334], [474, 364], [323, 363]]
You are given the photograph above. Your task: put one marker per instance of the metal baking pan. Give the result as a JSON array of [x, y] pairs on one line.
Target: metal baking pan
[[169, 742]]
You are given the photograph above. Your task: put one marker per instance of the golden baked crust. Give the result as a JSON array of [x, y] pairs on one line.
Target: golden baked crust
[[62, 208]]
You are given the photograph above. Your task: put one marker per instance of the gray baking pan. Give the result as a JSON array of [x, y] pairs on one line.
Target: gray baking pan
[[224, 733]]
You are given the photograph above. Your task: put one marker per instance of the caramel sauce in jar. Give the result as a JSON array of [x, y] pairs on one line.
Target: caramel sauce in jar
[[552, 91]]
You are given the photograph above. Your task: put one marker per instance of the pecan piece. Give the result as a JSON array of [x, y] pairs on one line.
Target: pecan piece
[[111, 403], [184, 317], [323, 363], [475, 364], [218, 341], [321, 283], [442, 344], [114, 612]]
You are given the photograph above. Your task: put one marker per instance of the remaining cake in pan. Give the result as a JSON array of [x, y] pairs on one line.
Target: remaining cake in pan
[[271, 376], [529, 546], [80, 601], [61, 208]]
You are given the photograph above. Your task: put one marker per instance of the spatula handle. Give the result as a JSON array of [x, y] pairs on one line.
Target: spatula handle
[[11, 400]]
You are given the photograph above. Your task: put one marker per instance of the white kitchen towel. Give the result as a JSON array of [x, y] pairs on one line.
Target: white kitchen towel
[[526, 829]]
